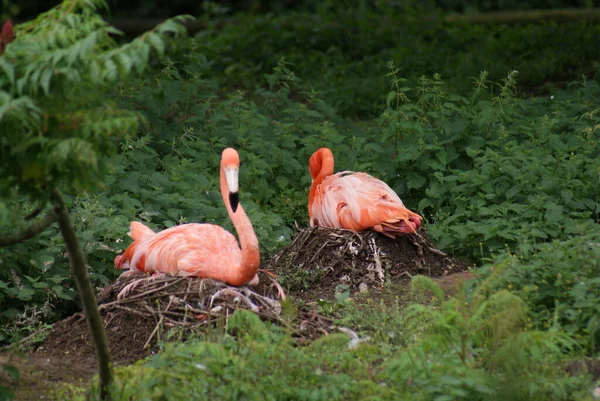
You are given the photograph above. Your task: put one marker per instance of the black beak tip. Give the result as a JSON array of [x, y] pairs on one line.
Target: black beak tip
[[234, 199]]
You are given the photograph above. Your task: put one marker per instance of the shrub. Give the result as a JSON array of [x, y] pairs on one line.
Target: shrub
[[341, 54], [559, 281], [480, 350], [492, 173]]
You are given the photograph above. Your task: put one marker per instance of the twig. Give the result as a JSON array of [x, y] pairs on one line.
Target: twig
[[134, 311], [24, 340], [35, 211], [436, 251], [319, 251], [142, 295], [160, 321]]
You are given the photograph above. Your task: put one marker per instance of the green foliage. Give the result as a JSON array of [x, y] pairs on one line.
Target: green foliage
[[460, 350], [340, 52], [497, 172], [485, 172], [559, 280], [480, 349], [6, 394], [57, 128], [64, 54]]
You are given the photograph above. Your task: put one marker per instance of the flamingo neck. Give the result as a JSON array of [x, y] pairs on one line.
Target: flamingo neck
[[248, 241], [326, 163]]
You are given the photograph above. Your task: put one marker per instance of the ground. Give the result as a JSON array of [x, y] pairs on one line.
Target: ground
[[318, 264]]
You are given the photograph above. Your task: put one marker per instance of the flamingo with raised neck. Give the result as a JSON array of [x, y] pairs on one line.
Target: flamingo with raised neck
[[200, 250]]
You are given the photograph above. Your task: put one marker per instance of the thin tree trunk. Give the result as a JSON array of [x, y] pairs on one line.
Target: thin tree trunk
[[88, 297]]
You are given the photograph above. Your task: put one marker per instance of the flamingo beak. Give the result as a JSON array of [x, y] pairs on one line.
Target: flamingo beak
[[231, 176], [234, 199]]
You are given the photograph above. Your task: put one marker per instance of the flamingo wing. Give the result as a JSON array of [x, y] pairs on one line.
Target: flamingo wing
[[139, 231], [358, 201], [201, 250]]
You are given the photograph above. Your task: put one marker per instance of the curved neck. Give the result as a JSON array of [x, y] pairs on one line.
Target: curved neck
[[325, 164], [248, 241]]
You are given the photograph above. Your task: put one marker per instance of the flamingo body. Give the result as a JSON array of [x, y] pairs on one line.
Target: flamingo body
[[355, 201], [200, 250]]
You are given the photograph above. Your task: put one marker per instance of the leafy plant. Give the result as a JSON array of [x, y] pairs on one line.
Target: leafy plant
[[559, 280], [6, 394], [459, 349], [50, 141], [492, 173], [480, 348], [340, 52]]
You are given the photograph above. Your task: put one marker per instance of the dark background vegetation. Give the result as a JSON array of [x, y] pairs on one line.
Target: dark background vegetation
[[26, 9]]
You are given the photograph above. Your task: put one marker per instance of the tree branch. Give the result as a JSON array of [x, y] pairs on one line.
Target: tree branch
[[30, 231], [35, 212], [86, 292]]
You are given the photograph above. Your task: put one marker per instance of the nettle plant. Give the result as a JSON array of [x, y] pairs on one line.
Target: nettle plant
[[57, 125], [559, 281], [492, 173]]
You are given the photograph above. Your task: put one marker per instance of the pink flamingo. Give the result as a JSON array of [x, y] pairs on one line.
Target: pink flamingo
[[200, 250], [355, 201]]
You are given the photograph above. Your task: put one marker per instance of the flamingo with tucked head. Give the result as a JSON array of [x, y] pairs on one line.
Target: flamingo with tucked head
[[355, 201], [200, 250]]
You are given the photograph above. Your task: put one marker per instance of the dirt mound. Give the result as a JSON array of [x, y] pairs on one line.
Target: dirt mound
[[321, 261], [139, 312]]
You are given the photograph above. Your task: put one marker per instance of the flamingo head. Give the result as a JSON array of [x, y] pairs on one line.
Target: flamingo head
[[320, 161], [230, 163]]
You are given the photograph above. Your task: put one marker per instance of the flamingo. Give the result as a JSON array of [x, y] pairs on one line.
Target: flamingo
[[355, 201], [200, 250]]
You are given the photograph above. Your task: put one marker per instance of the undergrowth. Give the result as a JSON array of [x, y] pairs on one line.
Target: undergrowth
[[559, 281], [478, 350]]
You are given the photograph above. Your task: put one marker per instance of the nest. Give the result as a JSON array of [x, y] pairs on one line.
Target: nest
[[139, 312], [321, 261]]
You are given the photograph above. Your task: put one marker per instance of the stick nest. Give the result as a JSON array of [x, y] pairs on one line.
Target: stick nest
[[320, 261], [139, 311]]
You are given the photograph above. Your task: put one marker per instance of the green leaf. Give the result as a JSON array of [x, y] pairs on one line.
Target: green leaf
[[25, 294], [8, 69], [424, 203], [157, 43], [12, 371], [45, 81], [6, 394], [415, 181], [391, 96]]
